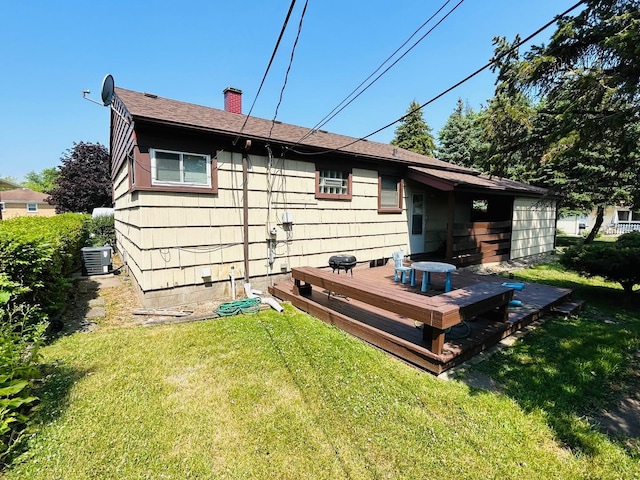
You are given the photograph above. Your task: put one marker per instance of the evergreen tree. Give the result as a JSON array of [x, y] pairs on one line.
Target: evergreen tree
[[508, 122], [589, 77], [84, 179], [414, 133], [460, 139]]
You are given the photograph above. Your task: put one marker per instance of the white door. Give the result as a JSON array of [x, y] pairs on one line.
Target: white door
[[416, 222]]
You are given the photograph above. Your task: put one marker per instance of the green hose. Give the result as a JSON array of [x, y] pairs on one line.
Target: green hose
[[246, 305]]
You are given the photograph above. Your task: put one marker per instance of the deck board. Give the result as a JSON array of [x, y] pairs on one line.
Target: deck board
[[399, 335]]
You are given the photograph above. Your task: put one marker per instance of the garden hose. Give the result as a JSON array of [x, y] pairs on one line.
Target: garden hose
[[246, 305], [465, 333], [457, 336]]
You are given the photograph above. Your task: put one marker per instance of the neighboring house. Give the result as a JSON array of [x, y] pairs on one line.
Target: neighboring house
[[616, 221], [22, 201], [7, 184], [203, 196]]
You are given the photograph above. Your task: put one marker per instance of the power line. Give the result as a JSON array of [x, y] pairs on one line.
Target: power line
[[286, 76], [456, 85], [275, 49], [327, 118]]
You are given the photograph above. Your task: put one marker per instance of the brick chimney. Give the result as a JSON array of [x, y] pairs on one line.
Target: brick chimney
[[232, 100]]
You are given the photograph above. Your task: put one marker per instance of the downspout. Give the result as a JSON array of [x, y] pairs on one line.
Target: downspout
[[245, 208]]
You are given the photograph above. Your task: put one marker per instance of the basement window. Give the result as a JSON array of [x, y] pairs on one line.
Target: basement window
[[32, 207], [333, 184], [179, 168]]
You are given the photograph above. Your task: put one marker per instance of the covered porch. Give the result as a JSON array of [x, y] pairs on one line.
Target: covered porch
[[465, 218], [402, 336]]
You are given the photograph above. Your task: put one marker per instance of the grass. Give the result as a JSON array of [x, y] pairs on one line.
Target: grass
[[285, 396]]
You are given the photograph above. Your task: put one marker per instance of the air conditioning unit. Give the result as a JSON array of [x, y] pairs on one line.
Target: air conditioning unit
[[96, 260]]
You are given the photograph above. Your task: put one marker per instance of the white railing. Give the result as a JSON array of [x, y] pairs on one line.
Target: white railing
[[620, 228]]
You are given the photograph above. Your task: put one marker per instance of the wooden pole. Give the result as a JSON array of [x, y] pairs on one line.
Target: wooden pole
[[450, 220]]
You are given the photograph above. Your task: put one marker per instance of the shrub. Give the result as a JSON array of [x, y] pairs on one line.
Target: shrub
[[102, 231], [20, 340], [39, 255], [618, 262]]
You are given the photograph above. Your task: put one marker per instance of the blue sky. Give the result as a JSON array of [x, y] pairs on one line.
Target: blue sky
[[191, 50]]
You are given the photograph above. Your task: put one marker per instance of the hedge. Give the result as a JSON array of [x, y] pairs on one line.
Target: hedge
[[40, 254]]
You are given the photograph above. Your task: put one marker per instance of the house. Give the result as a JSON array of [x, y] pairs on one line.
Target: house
[[616, 221], [204, 197], [22, 201], [7, 184]]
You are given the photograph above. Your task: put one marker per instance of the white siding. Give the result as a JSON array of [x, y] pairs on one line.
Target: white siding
[[533, 229], [170, 237]]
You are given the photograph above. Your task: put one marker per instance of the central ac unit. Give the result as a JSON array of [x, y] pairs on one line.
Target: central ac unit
[[96, 260]]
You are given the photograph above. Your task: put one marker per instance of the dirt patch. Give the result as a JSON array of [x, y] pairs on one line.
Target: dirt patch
[[110, 301]]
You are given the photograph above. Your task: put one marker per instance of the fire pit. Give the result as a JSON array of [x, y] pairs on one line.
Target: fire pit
[[342, 262]]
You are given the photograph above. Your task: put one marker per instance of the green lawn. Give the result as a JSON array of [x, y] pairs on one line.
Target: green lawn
[[285, 396]]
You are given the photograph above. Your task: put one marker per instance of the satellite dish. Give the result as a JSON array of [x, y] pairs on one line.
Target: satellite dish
[[107, 90]]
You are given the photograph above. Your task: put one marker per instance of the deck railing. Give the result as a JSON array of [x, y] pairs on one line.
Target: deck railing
[[480, 242]]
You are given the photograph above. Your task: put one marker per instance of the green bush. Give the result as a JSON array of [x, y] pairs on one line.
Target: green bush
[[618, 262], [20, 341], [38, 256], [102, 231]]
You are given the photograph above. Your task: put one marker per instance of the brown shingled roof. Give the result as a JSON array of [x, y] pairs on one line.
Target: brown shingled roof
[[153, 108], [21, 195], [474, 181]]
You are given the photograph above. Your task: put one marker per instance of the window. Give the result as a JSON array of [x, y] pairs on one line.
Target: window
[[32, 207], [626, 216], [132, 167], [333, 184], [177, 168], [389, 194], [1, 206], [480, 206]]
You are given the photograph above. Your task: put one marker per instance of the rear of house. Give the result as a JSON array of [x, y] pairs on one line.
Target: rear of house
[[204, 197]]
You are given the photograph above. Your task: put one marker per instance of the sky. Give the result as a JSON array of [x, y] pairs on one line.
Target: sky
[[50, 52]]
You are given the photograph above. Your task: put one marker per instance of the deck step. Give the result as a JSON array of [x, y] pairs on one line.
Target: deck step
[[568, 308]]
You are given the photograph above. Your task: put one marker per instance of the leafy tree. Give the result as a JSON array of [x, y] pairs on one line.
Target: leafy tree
[[460, 139], [414, 133], [84, 180], [41, 182], [589, 76]]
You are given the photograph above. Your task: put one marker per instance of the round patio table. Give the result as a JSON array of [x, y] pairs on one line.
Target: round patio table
[[428, 268]]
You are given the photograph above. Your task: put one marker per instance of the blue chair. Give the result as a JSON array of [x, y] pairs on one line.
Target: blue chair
[[400, 271]]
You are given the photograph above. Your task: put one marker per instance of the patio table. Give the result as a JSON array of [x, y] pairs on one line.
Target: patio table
[[427, 268]]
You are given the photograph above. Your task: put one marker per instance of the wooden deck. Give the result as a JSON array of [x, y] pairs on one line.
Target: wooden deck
[[403, 336]]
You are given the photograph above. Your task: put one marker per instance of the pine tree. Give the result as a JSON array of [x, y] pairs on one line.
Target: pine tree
[[414, 133], [460, 139], [589, 78]]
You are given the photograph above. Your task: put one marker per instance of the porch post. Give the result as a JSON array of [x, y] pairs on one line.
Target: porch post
[[450, 219]]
